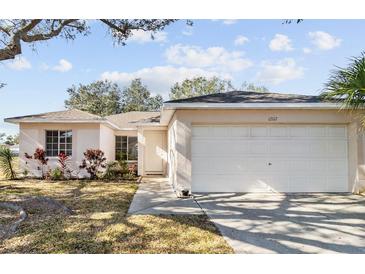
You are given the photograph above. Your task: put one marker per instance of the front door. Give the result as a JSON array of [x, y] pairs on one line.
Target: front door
[[154, 152]]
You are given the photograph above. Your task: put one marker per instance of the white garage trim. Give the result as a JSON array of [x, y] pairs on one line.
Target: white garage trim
[[266, 158]]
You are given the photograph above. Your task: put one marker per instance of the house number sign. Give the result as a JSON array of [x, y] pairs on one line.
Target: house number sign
[[272, 118]]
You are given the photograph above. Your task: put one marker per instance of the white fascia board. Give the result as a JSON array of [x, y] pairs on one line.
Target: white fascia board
[[168, 106]]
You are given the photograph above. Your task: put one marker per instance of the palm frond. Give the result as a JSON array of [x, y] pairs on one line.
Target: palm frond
[[347, 85], [6, 163]]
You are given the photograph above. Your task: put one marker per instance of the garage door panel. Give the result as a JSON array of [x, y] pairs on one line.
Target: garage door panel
[[205, 165], [257, 147], [240, 132], [209, 147], [298, 131], [278, 165], [317, 131], [318, 148], [259, 131], [202, 132], [308, 184], [337, 148], [335, 167], [335, 184], [281, 158], [221, 132], [317, 166], [336, 131], [300, 165], [278, 183], [278, 131], [230, 183]]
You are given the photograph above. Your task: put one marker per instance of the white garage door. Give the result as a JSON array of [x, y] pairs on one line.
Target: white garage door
[[260, 158]]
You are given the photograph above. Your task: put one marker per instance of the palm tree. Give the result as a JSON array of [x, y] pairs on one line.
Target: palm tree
[[6, 163], [347, 85]]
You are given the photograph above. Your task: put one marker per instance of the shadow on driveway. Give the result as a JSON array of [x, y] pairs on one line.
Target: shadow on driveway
[[288, 223]]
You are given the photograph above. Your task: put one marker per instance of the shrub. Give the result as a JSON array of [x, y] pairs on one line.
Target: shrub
[[129, 176], [129, 170], [6, 163], [93, 162], [124, 166], [56, 174], [63, 161], [113, 171], [39, 156], [133, 168]]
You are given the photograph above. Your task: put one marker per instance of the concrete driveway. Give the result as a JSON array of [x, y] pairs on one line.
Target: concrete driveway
[[283, 223]]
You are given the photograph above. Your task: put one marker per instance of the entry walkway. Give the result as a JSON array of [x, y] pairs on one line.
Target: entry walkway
[[155, 196]]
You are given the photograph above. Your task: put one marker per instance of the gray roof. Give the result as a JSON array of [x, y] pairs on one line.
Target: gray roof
[[251, 97], [128, 120], [64, 115], [134, 118]]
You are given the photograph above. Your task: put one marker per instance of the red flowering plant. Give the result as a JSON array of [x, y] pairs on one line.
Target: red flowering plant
[[40, 156], [63, 161], [93, 162]]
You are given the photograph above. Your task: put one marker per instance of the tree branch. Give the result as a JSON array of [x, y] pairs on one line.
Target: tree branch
[[46, 36], [16, 31]]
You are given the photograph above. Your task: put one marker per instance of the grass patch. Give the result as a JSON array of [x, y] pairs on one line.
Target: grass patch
[[100, 223]]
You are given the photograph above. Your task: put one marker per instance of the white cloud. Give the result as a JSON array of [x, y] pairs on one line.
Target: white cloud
[[159, 79], [280, 42], [63, 66], [19, 63], [324, 40], [307, 50], [141, 36], [217, 58], [281, 71], [229, 21], [240, 40]]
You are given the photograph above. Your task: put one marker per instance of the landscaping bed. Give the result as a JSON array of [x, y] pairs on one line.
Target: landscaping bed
[[97, 222]]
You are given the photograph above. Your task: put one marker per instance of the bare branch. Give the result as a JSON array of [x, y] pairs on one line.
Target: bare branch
[[32, 32], [15, 32], [47, 36]]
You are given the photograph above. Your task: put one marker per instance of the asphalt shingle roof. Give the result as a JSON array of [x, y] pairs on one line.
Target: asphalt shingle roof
[[134, 118], [123, 120], [251, 97], [64, 115]]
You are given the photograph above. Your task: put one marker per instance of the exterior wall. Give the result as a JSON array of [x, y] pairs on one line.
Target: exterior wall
[[107, 142], [172, 151], [181, 125], [32, 136], [141, 133]]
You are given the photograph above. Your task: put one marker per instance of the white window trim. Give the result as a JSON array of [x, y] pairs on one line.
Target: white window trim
[[128, 161], [58, 142]]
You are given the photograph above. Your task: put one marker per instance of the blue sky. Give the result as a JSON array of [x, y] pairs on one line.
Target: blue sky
[[295, 58]]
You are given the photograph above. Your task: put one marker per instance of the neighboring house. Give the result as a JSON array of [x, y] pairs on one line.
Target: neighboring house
[[227, 142], [14, 150]]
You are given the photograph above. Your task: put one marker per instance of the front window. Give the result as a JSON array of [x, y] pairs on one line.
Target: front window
[[126, 148], [58, 141]]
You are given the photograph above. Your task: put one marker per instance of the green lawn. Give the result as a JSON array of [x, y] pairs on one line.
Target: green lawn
[[99, 223]]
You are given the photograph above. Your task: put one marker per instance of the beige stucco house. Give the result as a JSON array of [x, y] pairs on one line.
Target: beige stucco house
[[226, 142]]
